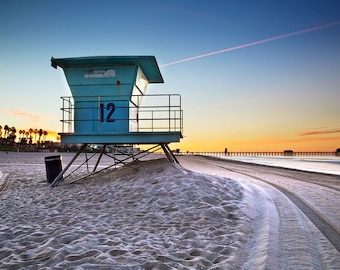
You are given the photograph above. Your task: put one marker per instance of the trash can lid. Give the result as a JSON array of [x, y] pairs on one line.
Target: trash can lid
[[50, 158]]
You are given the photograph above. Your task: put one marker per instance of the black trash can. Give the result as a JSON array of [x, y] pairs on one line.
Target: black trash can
[[53, 167]]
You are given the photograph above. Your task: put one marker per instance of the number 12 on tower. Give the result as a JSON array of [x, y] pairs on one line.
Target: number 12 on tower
[[106, 112]]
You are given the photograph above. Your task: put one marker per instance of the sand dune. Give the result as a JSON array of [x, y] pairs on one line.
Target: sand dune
[[149, 215]]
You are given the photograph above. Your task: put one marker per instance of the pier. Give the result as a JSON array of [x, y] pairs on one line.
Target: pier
[[267, 154]]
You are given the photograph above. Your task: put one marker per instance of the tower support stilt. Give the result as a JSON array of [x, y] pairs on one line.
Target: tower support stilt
[[120, 158]]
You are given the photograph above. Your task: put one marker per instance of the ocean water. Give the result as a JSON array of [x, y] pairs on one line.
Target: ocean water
[[330, 165]]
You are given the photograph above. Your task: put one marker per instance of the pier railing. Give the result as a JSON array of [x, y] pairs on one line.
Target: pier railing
[[267, 154]]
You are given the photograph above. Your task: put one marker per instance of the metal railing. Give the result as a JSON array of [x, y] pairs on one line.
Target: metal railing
[[67, 114], [159, 113]]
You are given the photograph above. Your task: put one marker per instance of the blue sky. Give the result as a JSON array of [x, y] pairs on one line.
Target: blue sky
[[275, 95]]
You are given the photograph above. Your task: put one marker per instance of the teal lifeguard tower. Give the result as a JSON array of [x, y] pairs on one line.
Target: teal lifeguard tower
[[106, 104]]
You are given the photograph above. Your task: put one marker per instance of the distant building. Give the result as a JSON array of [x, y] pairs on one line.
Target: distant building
[[337, 152], [288, 153]]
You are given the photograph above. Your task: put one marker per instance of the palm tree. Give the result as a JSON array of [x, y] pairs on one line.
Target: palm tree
[[23, 133], [30, 134], [40, 132], [35, 135], [13, 130], [0, 131], [45, 134], [12, 135], [6, 128]]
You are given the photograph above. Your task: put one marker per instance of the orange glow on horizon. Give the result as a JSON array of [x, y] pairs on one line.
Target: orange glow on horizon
[[314, 144], [52, 136]]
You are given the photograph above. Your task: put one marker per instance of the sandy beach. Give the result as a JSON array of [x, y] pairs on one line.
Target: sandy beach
[[154, 214], [149, 215]]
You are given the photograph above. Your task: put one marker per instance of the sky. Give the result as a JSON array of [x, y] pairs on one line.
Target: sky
[[253, 75]]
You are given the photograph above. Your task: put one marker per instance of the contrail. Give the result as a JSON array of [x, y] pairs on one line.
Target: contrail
[[254, 43]]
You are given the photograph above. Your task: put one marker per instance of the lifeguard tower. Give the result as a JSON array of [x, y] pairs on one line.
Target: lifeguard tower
[[106, 110]]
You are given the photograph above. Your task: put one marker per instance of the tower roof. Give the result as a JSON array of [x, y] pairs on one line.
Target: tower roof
[[147, 63]]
